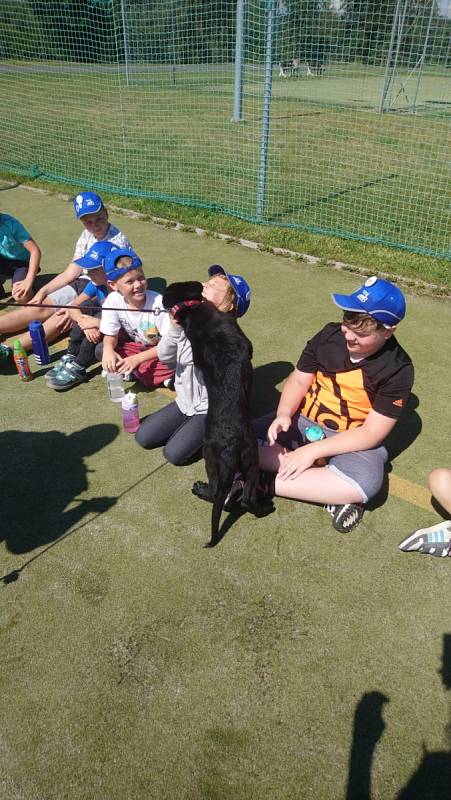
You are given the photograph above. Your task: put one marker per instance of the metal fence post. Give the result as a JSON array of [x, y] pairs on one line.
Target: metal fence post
[[261, 191]]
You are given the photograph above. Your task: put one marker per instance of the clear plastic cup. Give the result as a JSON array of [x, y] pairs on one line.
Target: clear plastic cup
[[115, 383]]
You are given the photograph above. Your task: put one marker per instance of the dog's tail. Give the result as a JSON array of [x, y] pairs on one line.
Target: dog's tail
[[218, 505]]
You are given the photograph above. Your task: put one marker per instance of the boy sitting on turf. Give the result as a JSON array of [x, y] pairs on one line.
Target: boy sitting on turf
[[63, 289], [353, 380], [85, 333], [133, 323]]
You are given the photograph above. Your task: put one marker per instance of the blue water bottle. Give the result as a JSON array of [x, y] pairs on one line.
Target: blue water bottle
[[39, 342]]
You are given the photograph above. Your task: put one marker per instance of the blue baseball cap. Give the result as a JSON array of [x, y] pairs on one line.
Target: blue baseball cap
[[96, 255], [87, 203], [380, 299], [239, 285], [113, 272]]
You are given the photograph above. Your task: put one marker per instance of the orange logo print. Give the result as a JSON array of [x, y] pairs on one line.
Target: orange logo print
[[399, 402]]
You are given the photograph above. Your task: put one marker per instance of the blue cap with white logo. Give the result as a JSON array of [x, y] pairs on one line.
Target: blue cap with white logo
[[96, 255], [380, 299], [87, 203], [239, 285]]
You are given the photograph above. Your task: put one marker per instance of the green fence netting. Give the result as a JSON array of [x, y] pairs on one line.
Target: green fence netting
[[327, 115]]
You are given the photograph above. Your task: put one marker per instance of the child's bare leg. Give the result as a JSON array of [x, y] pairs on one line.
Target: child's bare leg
[[439, 481], [54, 327], [19, 319], [315, 485]]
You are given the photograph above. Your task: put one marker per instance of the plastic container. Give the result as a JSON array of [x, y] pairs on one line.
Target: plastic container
[[130, 413], [21, 362], [39, 342], [314, 434], [115, 383]]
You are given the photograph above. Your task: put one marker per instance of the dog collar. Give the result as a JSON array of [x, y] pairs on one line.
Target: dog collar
[[180, 306]]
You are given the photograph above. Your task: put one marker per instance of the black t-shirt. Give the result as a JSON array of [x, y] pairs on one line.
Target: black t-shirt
[[343, 393]]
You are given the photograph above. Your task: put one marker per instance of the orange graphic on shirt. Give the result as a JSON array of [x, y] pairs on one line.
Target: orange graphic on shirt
[[338, 401]]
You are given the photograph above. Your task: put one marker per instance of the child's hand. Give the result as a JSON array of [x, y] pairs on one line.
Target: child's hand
[[21, 290], [93, 335], [125, 365], [110, 360], [280, 423], [86, 322], [64, 320], [294, 463], [39, 297]]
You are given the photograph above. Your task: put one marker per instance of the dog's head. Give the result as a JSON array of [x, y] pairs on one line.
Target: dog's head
[[184, 294]]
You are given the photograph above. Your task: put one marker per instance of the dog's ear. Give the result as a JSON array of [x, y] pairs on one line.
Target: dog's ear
[[179, 292]]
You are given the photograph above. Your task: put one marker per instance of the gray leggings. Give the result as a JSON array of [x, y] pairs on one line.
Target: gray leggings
[[182, 436]]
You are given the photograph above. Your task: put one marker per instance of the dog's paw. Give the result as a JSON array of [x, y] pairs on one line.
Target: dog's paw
[[260, 509], [202, 490]]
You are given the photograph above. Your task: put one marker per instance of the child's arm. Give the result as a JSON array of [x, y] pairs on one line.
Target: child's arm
[[23, 288], [89, 325], [130, 363], [110, 358], [71, 273]]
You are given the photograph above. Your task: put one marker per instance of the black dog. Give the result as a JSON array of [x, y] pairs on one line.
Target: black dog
[[223, 353]]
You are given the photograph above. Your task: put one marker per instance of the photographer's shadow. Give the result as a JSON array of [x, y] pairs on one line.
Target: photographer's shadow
[[43, 473]]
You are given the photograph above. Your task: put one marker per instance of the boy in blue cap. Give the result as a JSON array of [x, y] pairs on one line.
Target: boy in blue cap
[[65, 287], [133, 323], [85, 333], [351, 383]]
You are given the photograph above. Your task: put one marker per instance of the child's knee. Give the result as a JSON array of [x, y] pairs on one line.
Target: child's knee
[[439, 482]]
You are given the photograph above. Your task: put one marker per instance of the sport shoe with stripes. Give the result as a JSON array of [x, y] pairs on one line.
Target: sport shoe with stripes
[[345, 517], [433, 541]]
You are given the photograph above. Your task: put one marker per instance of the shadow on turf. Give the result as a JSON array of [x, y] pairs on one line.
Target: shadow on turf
[[42, 474], [265, 395], [402, 436], [432, 778]]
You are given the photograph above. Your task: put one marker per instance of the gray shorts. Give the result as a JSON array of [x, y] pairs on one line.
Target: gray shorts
[[62, 297], [364, 469]]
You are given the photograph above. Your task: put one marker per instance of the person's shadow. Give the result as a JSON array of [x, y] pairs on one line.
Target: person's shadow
[[266, 378], [43, 473], [368, 729], [403, 435], [432, 778]]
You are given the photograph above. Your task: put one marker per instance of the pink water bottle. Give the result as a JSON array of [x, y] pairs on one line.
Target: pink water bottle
[[130, 412]]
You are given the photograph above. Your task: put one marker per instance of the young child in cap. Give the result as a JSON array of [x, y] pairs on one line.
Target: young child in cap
[[435, 540], [352, 380], [85, 333], [20, 258], [179, 426], [133, 323], [64, 288]]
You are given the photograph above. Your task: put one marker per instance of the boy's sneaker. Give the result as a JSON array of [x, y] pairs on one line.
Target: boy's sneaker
[[169, 383], [5, 353], [69, 375], [346, 517], [434, 541], [52, 373]]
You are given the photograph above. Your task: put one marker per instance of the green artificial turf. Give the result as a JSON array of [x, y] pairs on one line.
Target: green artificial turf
[[134, 663]]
